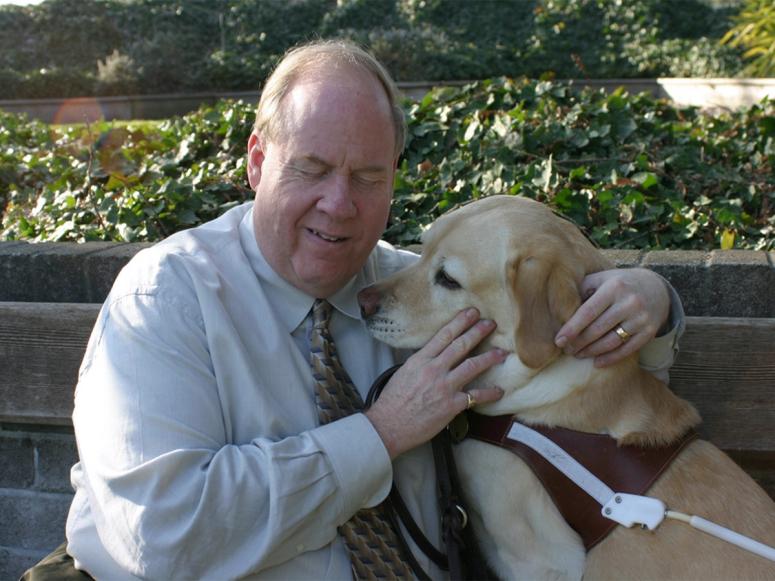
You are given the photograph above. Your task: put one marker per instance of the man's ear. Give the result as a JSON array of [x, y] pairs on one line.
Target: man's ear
[[546, 295], [255, 159]]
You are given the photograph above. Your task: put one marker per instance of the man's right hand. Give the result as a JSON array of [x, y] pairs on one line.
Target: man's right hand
[[426, 393]]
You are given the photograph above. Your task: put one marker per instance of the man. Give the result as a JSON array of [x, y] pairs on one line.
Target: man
[[201, 450]]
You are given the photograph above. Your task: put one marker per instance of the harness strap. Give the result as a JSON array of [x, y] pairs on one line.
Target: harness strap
[[627, 469]]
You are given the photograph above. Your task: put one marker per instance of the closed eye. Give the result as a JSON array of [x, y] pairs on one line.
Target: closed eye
[[309, 168], [443, 279], [368, 180]]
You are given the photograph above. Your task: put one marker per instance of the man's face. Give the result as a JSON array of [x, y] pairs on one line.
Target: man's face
[[323, 189]]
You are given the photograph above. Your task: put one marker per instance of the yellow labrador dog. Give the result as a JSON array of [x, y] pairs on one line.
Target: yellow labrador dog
[[521, 265]]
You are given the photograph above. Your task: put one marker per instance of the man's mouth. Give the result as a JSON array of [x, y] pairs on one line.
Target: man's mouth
[[326, 237]]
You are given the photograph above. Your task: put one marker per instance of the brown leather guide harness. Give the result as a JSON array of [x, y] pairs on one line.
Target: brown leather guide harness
[[628, 469]]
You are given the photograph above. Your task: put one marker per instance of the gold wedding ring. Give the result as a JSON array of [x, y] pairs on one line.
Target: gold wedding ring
[[471, 400], [623, 335]]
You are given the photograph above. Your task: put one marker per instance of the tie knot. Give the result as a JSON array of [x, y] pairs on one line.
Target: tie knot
[[321, 314]]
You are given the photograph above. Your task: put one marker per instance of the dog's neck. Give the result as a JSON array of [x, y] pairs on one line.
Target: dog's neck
[[527, 388], [622, 401]]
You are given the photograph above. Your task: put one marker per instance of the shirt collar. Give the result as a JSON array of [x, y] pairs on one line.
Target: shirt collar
[[289, 303]]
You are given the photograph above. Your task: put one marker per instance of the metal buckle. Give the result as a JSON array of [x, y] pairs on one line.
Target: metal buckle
[[463, 516]]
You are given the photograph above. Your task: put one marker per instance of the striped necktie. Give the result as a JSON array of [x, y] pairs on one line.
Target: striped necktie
[[373, 545]]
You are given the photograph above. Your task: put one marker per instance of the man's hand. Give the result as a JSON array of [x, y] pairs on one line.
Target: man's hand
[[633, 300], [427, 391]]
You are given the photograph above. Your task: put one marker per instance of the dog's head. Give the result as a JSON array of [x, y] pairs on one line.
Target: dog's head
[[510, 257]]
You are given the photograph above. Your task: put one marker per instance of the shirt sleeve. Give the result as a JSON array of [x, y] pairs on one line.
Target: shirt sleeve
[[169, 493], [659, 354]]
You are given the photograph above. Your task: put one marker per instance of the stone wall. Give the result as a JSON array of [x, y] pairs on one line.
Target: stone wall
[[35, 493]]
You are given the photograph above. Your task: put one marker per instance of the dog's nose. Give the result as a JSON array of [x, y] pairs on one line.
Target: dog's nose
[[368, 299]]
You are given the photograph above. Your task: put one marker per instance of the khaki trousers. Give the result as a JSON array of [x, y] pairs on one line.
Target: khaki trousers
[[58, 566]]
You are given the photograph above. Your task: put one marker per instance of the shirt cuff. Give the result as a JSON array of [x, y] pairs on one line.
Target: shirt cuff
[[659, 354], [359, 459]]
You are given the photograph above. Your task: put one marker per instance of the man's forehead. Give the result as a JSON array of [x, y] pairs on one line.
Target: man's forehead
[[346, 86], [324, 111]]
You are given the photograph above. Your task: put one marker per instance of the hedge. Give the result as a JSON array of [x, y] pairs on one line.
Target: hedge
[[632, 170], [66, 48]]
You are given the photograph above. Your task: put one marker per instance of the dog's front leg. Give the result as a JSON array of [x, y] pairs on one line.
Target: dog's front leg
[[520, 531]]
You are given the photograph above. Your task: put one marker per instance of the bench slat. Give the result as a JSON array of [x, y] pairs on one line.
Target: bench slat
[[726, 367], [41, 347]]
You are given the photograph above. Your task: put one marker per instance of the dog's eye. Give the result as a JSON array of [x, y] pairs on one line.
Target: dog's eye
[[443, 279]]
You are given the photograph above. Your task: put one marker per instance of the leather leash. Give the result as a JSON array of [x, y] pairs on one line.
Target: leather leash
[[454, 517]]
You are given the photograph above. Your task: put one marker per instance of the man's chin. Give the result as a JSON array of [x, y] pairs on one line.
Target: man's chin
[[322, 283]]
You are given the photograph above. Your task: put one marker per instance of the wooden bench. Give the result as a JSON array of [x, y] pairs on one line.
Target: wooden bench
[[726, 367]]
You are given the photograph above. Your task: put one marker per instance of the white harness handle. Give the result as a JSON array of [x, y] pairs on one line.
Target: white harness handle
[[626, 509]]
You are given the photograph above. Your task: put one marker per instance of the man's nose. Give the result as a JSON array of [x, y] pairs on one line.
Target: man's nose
[[337, 199], [368, 299]]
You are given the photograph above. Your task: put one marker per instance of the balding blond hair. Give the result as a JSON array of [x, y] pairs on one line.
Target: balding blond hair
[[317, 56]]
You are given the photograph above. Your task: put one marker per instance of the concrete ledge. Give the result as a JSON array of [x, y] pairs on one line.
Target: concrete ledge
[[718, 283], [716, 93], [61, 271], [705, 93]]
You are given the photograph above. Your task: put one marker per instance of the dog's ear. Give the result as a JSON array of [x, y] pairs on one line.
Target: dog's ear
[[546, 293]]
